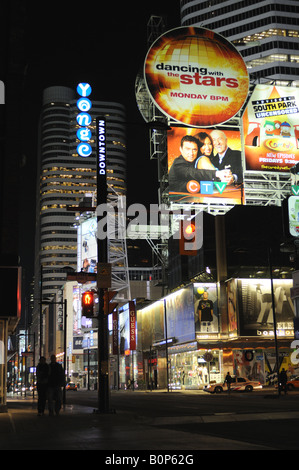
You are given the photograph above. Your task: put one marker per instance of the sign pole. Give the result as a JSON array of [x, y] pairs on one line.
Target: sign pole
[[103, 369]]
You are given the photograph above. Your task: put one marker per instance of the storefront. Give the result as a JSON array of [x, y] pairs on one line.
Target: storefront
[[167, 335], [192, 368], [182, 337]]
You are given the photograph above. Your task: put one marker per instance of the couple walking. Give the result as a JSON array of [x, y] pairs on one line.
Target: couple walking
[[50, 380]]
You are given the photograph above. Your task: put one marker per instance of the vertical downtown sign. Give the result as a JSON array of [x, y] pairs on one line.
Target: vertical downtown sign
[[101, 161]]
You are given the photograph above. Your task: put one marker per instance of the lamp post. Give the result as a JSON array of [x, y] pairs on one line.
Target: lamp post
[[274, 318]]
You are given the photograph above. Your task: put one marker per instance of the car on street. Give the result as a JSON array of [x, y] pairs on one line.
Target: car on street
[[237, 384], [71, 386], [293, 384]]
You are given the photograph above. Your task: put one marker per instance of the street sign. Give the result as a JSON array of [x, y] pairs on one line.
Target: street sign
[[81, 277], [104, 275]]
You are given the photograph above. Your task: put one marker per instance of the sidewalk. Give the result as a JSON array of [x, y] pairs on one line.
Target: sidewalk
[[80, 428]]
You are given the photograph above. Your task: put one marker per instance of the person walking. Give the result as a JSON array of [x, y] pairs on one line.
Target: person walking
[[228, 381], [42, 375], [283, 378], [56, 382]]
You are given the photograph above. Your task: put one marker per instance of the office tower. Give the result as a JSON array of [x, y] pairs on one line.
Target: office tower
[[65, 179], [265, 32]]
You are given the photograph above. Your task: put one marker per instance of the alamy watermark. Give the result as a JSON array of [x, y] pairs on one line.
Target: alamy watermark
[[2, 92], [158, 222]]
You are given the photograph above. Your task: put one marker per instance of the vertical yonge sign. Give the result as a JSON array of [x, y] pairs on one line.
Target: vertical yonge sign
[[84, 105], [196, 76]]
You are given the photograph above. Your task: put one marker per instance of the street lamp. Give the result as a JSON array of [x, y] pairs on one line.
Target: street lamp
[[274, 317]]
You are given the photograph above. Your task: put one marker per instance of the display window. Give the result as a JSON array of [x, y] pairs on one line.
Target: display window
[[194, 369]]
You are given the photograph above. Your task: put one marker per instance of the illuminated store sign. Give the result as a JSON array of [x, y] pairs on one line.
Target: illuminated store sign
[[196, 76], [84, 119]]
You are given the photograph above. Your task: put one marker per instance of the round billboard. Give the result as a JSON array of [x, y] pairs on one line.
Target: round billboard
[[196, 77]]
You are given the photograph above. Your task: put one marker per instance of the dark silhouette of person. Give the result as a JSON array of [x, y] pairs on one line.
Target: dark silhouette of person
[[42, 376], [56, 382]]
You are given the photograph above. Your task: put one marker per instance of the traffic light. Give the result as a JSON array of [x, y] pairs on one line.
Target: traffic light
[[88, 304], [188, 234]]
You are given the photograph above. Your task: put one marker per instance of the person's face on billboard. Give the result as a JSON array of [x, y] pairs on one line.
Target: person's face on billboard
[[189, 151], [207, 147], [219, 141]]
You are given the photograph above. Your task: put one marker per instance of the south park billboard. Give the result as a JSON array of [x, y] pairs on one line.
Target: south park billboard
[[196, 77], [197, 170], [271, 129]]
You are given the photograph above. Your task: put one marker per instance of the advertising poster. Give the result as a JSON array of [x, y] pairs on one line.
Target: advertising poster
[[293, 208], [180, 315], [150, 325], [250, 365], [255, 308], [88, 246], [206, 311], [124, 328], [196, 76], [232, 309], [271, 128], [205, 166]]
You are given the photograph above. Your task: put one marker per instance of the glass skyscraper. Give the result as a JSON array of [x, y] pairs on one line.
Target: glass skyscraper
[[65, 178], [264, 31]]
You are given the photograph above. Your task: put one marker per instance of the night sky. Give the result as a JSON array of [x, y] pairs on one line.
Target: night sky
[[64, 44], [104, 46]]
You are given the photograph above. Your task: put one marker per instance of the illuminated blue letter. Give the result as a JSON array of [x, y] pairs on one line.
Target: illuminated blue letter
[[84, 89], [84, 150], [83, 119], [84, 104]]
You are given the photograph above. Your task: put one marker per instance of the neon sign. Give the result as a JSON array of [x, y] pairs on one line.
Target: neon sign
[[101, 161], [84, 119]]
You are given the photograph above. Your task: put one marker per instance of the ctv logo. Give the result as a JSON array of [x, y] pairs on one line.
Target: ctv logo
[[205, 187], [2, 93]]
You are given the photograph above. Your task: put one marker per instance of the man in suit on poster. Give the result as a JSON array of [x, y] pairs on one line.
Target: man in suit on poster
[[226, 158]]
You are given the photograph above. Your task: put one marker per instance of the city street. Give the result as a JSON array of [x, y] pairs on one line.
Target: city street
[[156, 421]]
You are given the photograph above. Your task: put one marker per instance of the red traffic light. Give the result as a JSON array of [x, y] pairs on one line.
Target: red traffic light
[[189, 231], [187, 238], [87, 298], [88, 304]]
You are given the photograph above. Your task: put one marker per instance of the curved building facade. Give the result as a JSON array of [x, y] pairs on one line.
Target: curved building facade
[[65, 179], [264, 31]]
